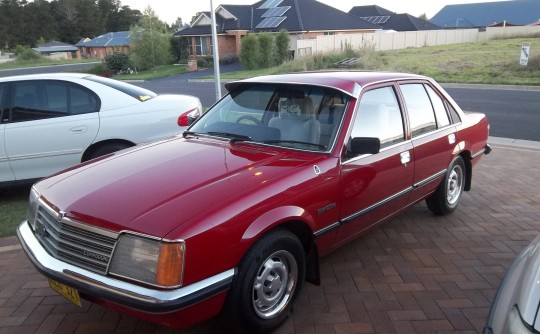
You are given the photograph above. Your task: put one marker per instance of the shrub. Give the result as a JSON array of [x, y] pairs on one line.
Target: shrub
[[229, 58], [205, 62], [101, 70], [117, 63], [282, 52], [250, 52], [266, 47], [26, 54]]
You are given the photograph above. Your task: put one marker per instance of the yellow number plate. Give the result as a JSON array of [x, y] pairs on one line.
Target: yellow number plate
[[67, 292]]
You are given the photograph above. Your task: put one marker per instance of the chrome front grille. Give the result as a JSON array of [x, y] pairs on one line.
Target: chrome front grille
[[72, 242]]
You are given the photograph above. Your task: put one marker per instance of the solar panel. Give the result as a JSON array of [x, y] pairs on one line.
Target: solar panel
[[271, 22], [270, 4], [278, 11], [376, 19]]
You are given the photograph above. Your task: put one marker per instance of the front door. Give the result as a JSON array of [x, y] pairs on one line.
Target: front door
[[375, 186], [51, 124]]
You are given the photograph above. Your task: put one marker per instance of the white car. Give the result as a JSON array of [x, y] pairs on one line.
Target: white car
[[49, 122]]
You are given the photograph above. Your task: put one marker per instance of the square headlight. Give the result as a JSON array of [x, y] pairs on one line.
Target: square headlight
[[147, 260]]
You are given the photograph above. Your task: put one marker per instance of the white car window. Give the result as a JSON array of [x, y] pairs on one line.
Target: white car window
[[41, 99]]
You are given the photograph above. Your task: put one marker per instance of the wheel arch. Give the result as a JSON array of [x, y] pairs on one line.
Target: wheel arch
[[302, 231], [95, 146]]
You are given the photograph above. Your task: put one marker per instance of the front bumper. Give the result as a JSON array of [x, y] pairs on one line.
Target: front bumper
[[123, 293]]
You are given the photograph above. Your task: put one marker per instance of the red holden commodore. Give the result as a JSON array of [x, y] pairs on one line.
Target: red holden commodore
[[232, 216]]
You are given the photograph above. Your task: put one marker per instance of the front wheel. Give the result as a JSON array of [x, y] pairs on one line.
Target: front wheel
[[269, 280], [446, 198]]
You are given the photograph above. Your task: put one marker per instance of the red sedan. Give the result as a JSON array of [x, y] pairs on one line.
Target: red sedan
[[232, 216]]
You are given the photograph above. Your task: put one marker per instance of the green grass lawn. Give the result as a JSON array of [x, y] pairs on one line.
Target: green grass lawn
[[13, 204]]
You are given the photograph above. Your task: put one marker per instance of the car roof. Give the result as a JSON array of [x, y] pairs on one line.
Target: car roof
[[348, 82], [46, 76]]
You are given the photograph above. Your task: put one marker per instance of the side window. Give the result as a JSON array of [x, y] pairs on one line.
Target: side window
[[421, 115], [440, 111], [33, 100], [82, 101], [453, 114], [40, 99], [379, 116]]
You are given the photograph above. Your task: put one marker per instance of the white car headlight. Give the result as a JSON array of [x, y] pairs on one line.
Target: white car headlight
[[151, 261]]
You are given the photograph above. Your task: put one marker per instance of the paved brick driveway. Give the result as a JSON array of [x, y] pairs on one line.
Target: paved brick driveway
[[415, 274]]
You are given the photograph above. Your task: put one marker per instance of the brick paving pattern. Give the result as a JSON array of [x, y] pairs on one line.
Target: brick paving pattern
[[417, 273]]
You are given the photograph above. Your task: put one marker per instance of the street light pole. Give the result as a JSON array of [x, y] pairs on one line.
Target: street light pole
[[215, 52]]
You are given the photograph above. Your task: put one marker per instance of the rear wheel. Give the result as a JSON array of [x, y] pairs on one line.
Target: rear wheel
[[269, 280], [446, 198]]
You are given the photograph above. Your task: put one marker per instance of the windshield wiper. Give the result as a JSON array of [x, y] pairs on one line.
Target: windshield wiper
[[232, 136], [189, 133], [277, 141]]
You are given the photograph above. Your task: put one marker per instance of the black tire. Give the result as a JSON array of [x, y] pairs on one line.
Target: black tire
[[106, 149], [269, 280], [446, 198]]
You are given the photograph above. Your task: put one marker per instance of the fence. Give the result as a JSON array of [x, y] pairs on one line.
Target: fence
[[382, 41]]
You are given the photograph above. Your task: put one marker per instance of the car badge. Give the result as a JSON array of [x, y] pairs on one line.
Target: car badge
[[60, 216], [317, 169]]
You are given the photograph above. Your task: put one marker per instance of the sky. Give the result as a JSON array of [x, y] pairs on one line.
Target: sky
[[170, 10]]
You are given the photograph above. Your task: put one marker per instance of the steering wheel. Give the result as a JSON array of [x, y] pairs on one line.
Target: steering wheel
[[249, 118]]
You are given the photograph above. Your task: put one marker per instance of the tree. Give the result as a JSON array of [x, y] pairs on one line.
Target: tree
[[150, 43], [282, 46], [180, 48], [250, 52]]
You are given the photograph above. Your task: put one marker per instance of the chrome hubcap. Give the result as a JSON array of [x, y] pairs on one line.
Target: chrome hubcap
[[274, 284], [454, 185]]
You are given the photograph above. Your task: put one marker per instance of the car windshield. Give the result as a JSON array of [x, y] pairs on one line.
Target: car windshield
[[294, 116]]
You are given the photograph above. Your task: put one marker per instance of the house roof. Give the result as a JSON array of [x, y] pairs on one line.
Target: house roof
[[517, 12], [373, 10], [274, 15], [392, 21], [110, 39], [55, 46]]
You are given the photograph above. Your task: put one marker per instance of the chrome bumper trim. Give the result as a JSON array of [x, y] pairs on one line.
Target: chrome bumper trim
[[114, 290]]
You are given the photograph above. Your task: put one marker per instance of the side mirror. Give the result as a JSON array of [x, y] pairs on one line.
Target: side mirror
[[364, 145]]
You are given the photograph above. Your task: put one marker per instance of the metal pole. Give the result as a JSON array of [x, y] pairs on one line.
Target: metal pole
[[215, 52]]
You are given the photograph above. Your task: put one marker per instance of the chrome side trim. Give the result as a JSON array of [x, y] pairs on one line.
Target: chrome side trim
[[124, 293], [375, 206], [327, 229], [44, 155], [429, 179]]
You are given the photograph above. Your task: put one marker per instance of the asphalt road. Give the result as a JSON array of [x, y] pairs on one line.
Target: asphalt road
[[513, 113]]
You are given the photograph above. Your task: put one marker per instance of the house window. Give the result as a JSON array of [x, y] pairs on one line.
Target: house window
[[329, 33]]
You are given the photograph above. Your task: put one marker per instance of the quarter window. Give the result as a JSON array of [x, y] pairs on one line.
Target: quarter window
[[421, 115], [379, 116], [438, 106]]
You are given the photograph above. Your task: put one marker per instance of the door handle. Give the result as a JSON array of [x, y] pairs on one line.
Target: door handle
[[78, 129], [452, 138], [405, 157]]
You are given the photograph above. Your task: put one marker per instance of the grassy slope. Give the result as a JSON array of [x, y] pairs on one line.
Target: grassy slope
[[492, 62]]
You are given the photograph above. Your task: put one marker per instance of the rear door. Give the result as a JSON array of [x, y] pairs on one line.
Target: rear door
[[50, 125], [374, 186], [433, 136], [6, 174]]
